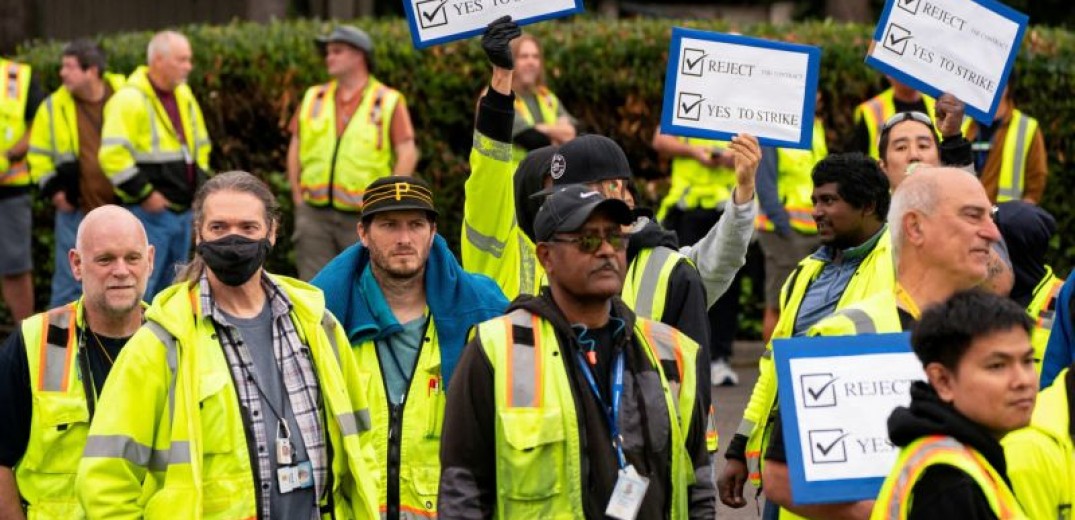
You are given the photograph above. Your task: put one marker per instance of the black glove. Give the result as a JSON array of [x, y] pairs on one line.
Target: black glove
[[496, 41]]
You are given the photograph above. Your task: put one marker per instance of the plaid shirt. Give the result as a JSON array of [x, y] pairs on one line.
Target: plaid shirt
[[300, 380]]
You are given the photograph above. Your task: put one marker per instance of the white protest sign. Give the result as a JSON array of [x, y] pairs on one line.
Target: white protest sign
[[441, 21], [720, 85], [836, 395], [963, 47]]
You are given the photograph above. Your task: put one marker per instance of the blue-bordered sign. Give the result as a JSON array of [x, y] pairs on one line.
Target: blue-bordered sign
[[965, 47], [836, 393], [440, 21], [720, 85]]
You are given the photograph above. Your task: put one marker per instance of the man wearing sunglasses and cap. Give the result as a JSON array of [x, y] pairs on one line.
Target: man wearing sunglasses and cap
[[347, 133], [406, 305], [570, 404]]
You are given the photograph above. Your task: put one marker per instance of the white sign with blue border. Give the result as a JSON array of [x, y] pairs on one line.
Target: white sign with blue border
[[963, 47], [720, 85], [440, 21], [836, 393]]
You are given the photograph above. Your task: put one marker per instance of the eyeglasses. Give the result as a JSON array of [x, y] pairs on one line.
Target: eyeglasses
[[906, 116], [589, 244]]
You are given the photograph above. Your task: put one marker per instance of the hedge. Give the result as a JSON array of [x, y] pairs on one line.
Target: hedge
[[610, 74]]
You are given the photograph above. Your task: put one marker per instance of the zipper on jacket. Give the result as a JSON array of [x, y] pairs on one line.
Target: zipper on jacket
[[395, 435]]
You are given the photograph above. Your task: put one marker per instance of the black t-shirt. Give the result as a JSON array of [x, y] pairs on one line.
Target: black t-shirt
[[16, 400]]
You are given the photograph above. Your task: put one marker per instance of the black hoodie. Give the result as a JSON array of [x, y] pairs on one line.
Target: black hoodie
[[468, 487], [943, 492]]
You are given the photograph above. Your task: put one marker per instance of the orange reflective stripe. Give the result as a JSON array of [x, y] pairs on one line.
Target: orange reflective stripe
[[319, 99], [1047, 307], [43, 380]]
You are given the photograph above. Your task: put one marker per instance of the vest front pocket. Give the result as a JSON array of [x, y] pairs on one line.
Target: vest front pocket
[[62, 421], [531, 460]]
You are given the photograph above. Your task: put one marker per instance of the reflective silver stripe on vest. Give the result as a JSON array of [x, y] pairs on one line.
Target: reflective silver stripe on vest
[[498, 151], [863, 322], [193, 138], [527, 267], [664, 340], [118, 447], [524, 371], [484, 243], [651, 274], [746, 427], [158, 157], [124, 175], [56, 355], [318, 99], [412, 515], [170, 353], [906, 472], [329, 324], [177, 453], [354, 423], [1015, 190]]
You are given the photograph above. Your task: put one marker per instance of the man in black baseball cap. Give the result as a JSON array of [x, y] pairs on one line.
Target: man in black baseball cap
[[407, 306]]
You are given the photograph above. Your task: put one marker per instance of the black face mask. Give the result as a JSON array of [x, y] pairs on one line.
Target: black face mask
[[234, 258]]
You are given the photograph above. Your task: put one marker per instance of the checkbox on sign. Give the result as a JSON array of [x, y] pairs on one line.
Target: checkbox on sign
[[896, 38], [911, 6], [827, 446], [432, 13], [689, 106], [819, 390], [693, 62]]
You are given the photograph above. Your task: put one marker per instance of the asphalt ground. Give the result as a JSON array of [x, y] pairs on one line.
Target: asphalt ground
[[730, 402]]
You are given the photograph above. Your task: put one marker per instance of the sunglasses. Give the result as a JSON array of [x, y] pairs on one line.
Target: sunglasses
[[906, 116], [590, 243]]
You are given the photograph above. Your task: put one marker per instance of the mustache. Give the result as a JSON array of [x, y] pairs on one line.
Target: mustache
[[608, 264]]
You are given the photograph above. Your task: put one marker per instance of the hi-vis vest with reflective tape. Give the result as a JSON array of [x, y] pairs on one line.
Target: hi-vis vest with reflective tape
[[185, 453], [878, 109], [538, 470], [645, 291], [896, 497], [54, 136], [1021, 129], [794, 184], [138, 134], [336, 170], [1041, 457], [419, 436], [13, 99], [875, 275], [548, 104], [695, 186], [1042, 309], [60, 419]]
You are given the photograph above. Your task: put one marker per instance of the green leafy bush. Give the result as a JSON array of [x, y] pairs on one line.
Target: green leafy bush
[[250, 78]]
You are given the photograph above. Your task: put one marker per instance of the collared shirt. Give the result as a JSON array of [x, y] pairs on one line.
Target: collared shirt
[[300, 380], [824, 293]]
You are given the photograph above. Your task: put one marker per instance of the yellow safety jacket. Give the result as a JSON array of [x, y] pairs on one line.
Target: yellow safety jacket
[[1021, 129], [493, 244], [894, 502], [548, 104], [875, 275], [1041, 457], [13, 99], [538, 470], [878, 109], [418, 438], [141, 150], [336, 170], [795, 184], [54, 135], [694, 186], [1042, 308], [60, 419], [185, 453]]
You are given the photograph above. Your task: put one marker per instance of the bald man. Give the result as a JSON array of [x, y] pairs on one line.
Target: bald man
[[155, 150], [52, 370], [943, 235]]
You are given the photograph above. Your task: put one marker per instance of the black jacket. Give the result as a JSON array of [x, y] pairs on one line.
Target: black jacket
[[943, 492], [468, 487]]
